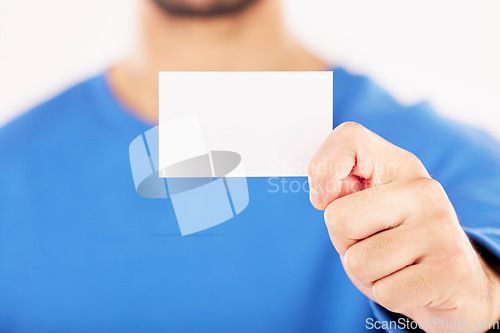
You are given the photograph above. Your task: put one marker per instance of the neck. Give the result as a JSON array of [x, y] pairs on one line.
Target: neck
[[255, 39]]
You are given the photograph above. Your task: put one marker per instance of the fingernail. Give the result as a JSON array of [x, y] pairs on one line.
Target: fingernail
[[315, 198]]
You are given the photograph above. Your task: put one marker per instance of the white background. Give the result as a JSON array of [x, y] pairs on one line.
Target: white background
[[444, 51]]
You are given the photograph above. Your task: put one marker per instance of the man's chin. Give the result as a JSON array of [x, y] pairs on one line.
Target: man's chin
[[207, 8]]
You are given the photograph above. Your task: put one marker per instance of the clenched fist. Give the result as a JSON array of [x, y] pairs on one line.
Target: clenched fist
[[397, 233]]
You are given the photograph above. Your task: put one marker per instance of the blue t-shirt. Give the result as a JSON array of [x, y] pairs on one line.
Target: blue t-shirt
[[81, 251]]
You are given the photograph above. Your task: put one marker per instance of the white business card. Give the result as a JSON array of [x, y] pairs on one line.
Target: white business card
[[275, 122]]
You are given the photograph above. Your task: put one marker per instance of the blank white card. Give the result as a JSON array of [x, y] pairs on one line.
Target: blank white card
[[274, 120]]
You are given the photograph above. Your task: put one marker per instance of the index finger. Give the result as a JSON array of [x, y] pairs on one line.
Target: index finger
[[351, 149]]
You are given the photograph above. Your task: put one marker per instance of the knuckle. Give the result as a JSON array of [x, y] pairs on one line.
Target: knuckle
[[385, 295], [411, 158], [435, 187], [334, 219], [425, 185], [355, 263], [361, 259], [393, 294], [414, 163], [348, 129], [430, 192]]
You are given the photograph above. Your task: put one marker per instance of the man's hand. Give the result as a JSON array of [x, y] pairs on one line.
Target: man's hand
[[397, 233]]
